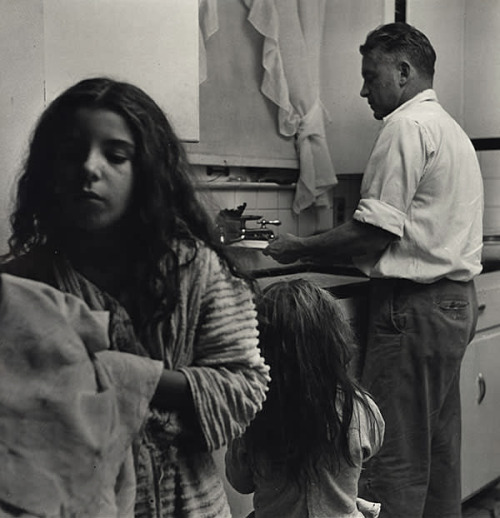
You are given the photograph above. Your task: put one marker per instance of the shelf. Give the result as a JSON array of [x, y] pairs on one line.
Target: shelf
[[243, 185]]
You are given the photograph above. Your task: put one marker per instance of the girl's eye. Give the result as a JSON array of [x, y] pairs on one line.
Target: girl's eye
[[115, 158], [118, 154]]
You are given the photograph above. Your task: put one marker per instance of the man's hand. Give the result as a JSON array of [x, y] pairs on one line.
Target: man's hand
[[285, 249]]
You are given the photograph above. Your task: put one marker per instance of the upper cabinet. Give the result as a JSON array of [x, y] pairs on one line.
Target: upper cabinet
[[443, 23], [151, 43], [46, 45], [239, 125], [351, 129], [465, 36], [482, 69]]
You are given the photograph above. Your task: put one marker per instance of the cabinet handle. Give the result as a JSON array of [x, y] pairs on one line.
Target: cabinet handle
[[481, 308], [481, 385]]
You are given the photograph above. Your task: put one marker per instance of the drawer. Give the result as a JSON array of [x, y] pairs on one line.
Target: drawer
[[488, 297]]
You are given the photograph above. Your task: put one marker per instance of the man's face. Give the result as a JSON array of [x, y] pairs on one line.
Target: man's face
[[381, 83]]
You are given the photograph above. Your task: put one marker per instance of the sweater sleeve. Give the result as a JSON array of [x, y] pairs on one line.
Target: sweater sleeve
[[228, 377]]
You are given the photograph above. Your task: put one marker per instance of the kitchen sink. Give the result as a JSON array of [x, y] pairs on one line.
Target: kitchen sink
[[342, 280]]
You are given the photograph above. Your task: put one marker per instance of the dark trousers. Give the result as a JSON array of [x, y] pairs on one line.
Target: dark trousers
[[417, 337]]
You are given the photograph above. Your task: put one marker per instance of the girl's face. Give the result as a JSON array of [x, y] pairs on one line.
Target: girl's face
[[94, 171]]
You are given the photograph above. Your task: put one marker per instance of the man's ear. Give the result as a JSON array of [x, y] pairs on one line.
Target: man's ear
[[404, 72]]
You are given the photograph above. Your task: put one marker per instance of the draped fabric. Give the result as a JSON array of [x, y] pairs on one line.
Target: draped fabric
[[69, 408], [209, 25], [292, 31]]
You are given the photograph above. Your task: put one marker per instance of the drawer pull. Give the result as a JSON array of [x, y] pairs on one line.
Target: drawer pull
[[481, 308], [481, 385]]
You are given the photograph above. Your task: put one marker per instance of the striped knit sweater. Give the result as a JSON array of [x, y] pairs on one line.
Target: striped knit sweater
[[212, 338]]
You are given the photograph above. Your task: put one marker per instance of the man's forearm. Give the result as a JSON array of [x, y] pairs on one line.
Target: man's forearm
[[347, 240]]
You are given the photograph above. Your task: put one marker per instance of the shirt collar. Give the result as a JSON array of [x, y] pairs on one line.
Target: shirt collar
[[425, 95]]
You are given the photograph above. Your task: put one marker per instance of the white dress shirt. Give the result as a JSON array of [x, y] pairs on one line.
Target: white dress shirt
[[423, 184]]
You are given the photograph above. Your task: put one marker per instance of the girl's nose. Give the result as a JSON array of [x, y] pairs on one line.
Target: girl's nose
[[92, 165]]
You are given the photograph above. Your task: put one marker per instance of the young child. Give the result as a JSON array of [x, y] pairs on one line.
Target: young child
[[303, 453]]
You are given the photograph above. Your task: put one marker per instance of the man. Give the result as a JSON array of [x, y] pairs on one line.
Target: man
[[417, 233]]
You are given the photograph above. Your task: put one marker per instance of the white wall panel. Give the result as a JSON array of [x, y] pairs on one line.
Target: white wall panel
[[482, 68], [152, 43]]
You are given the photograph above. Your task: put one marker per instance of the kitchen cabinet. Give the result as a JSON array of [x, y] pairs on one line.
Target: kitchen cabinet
[[153, 45], [464, 49], [430, 16], [351, 129], [482, 25], [480, 392]]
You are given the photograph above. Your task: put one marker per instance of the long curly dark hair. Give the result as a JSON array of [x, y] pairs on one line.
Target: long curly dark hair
[[165, 207], [308, 345]]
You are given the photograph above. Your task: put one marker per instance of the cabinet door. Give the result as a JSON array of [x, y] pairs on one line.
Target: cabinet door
[[351, 130], [151, 43], [482, 23], [470, 410], [429, 16], [480, 391]]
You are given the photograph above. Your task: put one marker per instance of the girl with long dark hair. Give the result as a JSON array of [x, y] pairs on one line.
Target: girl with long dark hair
[[106, 211]]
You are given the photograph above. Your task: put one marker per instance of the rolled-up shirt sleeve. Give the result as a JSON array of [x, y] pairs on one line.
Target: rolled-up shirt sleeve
[[380, 214], [394, 170]]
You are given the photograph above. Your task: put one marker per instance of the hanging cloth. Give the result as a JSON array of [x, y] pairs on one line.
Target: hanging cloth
[[292, 31], [208, 25]]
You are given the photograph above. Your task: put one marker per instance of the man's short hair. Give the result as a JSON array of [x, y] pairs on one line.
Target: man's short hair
[[402, 40]]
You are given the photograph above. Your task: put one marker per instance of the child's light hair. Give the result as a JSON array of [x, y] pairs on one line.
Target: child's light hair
[[308, 344]]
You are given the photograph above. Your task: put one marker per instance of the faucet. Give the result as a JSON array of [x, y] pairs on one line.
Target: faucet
[[263, 233], [233, 228]]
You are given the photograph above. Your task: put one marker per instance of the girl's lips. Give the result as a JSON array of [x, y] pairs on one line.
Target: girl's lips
[[89, 195]]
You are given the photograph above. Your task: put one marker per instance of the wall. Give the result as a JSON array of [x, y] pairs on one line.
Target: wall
[[482, 105], [444, 24], [351, 129], [482, 68], [152, 43], [21, 91]]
